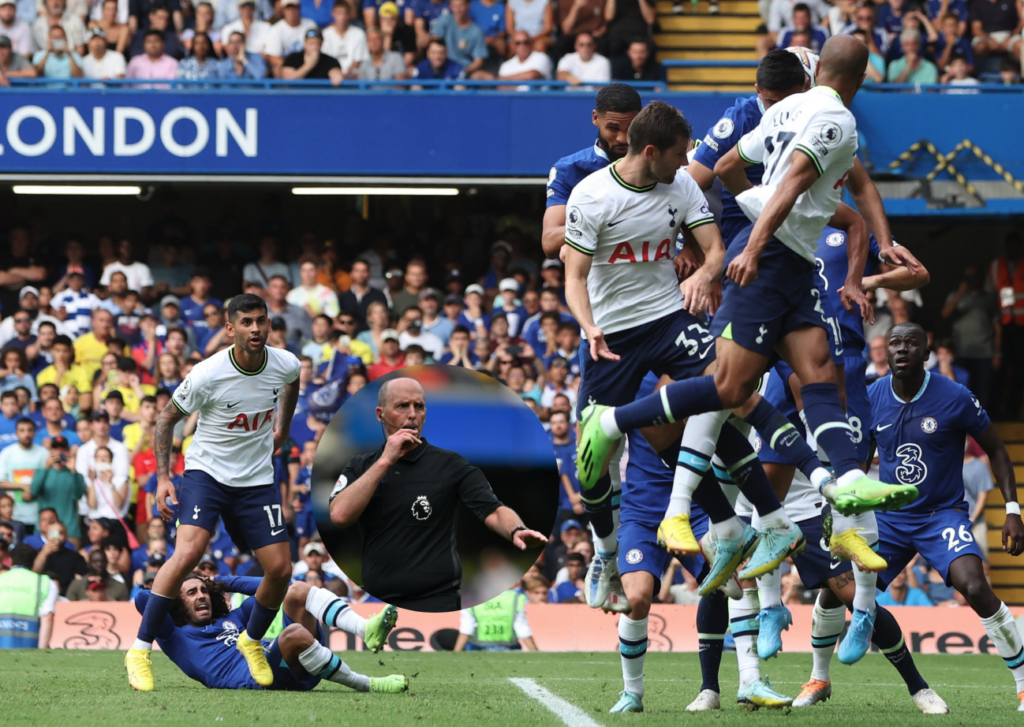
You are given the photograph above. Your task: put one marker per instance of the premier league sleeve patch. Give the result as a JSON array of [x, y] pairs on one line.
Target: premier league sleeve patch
[[724, 128]]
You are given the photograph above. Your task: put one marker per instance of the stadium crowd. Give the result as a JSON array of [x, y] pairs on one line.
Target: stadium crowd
[[951, 42], [576, 41], [97, 335]]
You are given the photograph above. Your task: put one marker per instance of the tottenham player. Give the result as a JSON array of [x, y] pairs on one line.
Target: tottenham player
[[770, 304], [200, 631], [228, 472], [616, 106], [921, 423]]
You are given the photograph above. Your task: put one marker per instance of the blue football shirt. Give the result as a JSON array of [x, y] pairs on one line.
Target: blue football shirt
[[833, 266], [571, 170], [565, 455], [743, 116], [921, 442]]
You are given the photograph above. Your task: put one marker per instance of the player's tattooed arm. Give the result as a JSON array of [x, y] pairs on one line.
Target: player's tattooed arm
[[163, 437], [289, 396], [1002, 468]]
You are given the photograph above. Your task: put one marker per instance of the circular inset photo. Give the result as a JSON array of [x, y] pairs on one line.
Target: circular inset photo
[[434, 488]]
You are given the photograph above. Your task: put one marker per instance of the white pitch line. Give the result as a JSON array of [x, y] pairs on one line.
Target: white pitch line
[[570, 714]]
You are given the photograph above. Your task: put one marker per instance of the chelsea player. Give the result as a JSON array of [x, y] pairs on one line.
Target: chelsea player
[[921, 423], [200, 632]]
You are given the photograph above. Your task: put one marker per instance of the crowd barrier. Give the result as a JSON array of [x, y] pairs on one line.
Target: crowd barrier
[[84, 625]]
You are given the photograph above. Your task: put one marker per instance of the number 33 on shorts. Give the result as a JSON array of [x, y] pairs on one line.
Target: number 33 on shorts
[[957, 541]]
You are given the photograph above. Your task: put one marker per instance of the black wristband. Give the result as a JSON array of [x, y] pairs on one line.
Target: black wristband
[[512, 535]]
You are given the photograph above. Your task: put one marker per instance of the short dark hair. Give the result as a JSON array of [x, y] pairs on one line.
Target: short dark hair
[[9, 394], [25, 420], [660, 125], [559, 412], [177, 329], [157, 33], [551, 314], [244, 303], [148, 400], [22, 358], [619, 98], [780, 70], [157, 6], [63, 340], [51, 324], [459, 329], [568, 326], [801, 7], [438, 41], [23, 555]]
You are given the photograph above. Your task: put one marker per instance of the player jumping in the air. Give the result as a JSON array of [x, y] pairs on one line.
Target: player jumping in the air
[[200, 632], [228, 472], [921, 423], [770, 303]]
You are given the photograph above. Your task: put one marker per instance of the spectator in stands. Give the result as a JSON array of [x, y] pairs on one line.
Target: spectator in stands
[[877, 40], [20, 336], [12, 64], [464, 40], [842, 17], [14, 369], [438, 65], [102, 63], [86, 460], [53, 559], [802, 24], [203, 23], [312, 64], [97, 579], [627, 19], [912, 67], [382, 65], [780, 17], [410, 329], [900, 594], [490, 16], [414, 282], [10, 415], [958, 75], [297, 320], [535, 17], [16, 30], [311, 296], [18, 464], [950, 42], [287, 36], [378, 321], [345, 42], [55, 14], [203, 63], [586, 65], [460, 353], [54, 426], [160, 21], [974, 313], [1009, 72], [433, 321], [239, 62], [374, 10], [879, 363], [154, 64], [114, 27], [255, 31], [579, 16], [397, 34], [639, 63], [57, 61], [996, 26], [390, 356], [526, 64], [945, 355], [890, 19], [977, 485], [938, 9]]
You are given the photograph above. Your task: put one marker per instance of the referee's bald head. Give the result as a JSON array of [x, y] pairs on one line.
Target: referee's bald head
[[401, 386]]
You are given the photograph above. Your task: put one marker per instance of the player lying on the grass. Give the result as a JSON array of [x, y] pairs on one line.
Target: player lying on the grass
[[246, 397], [921, 425], [200, 631]]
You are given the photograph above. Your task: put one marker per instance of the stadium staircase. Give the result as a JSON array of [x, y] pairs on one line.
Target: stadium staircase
[[1007, 572], [696, 35]]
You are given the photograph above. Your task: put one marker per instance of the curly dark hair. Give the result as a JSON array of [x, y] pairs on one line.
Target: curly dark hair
[[218, 601]]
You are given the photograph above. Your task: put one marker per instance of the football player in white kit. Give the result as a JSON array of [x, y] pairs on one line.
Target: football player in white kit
[[229, 474]]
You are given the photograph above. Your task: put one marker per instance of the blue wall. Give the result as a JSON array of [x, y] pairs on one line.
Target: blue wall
[[273, 132]]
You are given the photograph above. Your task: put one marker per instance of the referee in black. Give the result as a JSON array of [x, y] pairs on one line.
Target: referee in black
[[405, 497]]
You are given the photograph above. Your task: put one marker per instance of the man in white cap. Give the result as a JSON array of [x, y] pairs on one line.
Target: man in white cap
[[473, 317], [515, 314], [391, 357], [411, 327], [287, 35], [28, 299], [99, 63]]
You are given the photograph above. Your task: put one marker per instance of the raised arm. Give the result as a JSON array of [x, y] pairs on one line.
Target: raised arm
[[1002, 468], [348, 502], [697, 287]]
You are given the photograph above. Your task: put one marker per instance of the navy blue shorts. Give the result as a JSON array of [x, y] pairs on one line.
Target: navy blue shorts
[[816, 564], [639, 549], [284, 678], [858, 406], [305, 525], [782, 299], [940, 537], [252, 515], [678, 345]]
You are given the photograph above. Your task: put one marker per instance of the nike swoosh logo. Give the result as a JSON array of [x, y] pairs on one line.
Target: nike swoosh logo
[[234, 405], [277, 532], [880, 428], [612, 224]]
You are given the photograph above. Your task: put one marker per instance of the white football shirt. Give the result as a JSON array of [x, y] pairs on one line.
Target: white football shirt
[[234, 439], [815, 123], [631, 234]]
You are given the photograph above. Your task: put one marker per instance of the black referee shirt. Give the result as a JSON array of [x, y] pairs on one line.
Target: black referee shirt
[[408, 527]]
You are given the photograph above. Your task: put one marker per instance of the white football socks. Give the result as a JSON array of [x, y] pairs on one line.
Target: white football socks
[[1001, 627], [744, 624], [826, 626], [321, 662], [769, 589], [632, 651], [695, 451], [330, 610]]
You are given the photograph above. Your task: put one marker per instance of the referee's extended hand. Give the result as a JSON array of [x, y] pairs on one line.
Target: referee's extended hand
[[165, 489], [1013, 535], [400, 444], [524, 539]]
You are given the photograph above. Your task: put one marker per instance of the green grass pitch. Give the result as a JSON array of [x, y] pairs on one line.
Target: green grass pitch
[[87, 688]]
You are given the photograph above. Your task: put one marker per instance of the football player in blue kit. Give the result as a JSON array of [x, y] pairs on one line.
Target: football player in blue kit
[[199, 635], [302, 501], [921, 423]]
